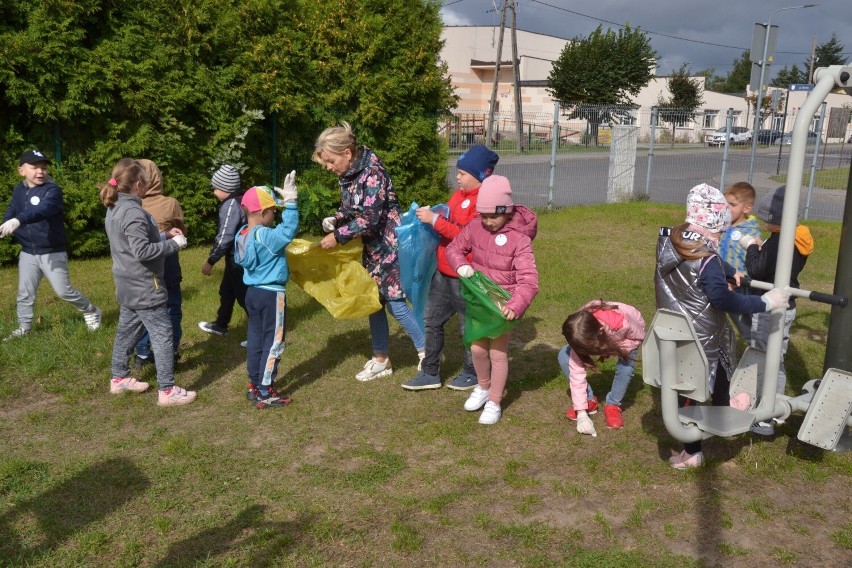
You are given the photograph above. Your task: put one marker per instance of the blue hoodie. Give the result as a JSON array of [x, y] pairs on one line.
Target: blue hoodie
[[260, 251], [39, 209]]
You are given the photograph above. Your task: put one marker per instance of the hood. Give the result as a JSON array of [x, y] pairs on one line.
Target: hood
[[366, 158], [245, 255], [524, 221], [155, 178]]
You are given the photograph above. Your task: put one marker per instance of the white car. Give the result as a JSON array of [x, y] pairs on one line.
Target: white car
[[739, 135]]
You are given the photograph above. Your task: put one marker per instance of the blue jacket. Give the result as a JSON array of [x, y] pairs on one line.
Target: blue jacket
[[39, 209], [260, 251]]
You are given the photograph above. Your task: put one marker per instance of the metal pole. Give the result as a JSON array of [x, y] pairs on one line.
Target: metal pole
[[553, 145], [816, 156], [837, 352], [654, 111], [759, 100], [274, 149], [728, 122], [489, 126], [783, 126]]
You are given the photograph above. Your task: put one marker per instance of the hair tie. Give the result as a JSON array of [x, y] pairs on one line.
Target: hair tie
[[112, 182]]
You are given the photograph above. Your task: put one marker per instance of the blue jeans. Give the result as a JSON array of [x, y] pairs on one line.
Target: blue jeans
[[760, 337], [174, 305], [623, 374], [380, 332]]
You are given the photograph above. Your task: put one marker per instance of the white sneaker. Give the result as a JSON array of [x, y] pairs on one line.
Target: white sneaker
[[93, 319], [490, 414], [476, 399], [374, 369], [20, 332], [244, 344]]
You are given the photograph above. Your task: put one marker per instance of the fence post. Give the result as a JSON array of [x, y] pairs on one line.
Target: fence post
[[822, 111], [553, 145], [728, 122], [651, 150], [273, 149], [57, 144]]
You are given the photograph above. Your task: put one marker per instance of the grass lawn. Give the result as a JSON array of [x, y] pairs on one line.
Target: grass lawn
[[830, 178], [367, 474]]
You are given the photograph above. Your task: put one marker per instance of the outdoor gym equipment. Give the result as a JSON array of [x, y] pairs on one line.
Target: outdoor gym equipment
[[673, 360]]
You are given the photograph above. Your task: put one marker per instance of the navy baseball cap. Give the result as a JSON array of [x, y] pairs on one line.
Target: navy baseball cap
[[33, 157]]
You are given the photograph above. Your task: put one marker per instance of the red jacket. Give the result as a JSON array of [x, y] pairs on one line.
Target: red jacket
[[462, 206], [505, 256]]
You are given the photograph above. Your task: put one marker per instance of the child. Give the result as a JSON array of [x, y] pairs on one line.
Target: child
[[168, 215], [691, 278], [740, 198], [760, 260], [500, 246], [227, 189], [445, 298], [34, 216], [259, 249], [600, 329], [138, 257]]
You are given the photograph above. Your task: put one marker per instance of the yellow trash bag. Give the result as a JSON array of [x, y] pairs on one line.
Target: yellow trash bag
[[335, 278]]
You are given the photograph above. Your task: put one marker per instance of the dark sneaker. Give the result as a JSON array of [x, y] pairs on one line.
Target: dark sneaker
[[212, 327], [571, 414], [422, 381], [463, 382], [763, 428], [252, 394], [140, 363], [272, 400]]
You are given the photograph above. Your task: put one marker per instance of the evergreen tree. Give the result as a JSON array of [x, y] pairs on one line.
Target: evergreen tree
[[686, 97], [791, 76], [827, 54], [738, 78]]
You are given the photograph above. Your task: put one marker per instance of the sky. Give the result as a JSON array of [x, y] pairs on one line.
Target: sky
[[712, 33]]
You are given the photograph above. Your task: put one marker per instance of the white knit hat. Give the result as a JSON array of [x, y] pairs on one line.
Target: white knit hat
[[226, 179]]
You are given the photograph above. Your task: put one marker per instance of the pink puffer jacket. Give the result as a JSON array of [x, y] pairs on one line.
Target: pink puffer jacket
[[505, 256]]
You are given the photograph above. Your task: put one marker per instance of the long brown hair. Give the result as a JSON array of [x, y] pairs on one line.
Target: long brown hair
[[689, 244], [587, 337], [125, 175]]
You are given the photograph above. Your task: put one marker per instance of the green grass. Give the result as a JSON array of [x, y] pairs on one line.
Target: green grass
[[367, 474], [830, 178]]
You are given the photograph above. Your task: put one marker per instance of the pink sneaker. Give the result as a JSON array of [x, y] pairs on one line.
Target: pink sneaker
[[119, 385], [684, 460], [175, 396]]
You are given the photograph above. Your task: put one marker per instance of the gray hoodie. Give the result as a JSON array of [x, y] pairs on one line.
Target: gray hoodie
[[137, 254]]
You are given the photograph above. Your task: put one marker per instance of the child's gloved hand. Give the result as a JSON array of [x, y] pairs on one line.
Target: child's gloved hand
[[328, 224], [775, 298], [9, 227], [584, 424], [465, 271], [289, 192], [180, 240], [748, 240]]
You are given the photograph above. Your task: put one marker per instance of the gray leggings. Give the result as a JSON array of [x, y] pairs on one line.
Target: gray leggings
[[53, 266], [131, 325]]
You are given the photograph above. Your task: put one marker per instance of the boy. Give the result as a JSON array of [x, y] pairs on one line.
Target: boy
[[259, 249], [34, 216], [740, 198], [760, 260], [445, 298], [228, 189]]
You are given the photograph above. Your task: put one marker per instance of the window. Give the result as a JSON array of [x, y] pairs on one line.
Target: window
[[710, 118]]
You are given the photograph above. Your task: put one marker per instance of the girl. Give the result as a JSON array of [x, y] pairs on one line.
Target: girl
[[138, 254], [600, 329], [500, 246], [691, 278], [369, 210]]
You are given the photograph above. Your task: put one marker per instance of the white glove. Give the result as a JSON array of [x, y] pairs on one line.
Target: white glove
[[328, 224], [775, 298], [465, 271], [9, 227], [584, 424], [748, 240], [289, 193], [180, 240]]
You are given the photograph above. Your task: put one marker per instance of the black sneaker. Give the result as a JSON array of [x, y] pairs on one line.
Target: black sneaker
[[272, 400], [252, 394], [140, 363], [212, 327]]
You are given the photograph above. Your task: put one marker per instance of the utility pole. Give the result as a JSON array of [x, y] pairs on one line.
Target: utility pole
[[811, 65], [516, 64], [490, 126]]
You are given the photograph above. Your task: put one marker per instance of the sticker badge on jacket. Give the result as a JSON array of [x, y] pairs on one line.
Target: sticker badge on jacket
[[501, 240], [465, 204], [35, 200]]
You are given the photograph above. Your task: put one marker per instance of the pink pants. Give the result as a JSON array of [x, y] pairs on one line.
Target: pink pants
[[491, 361]]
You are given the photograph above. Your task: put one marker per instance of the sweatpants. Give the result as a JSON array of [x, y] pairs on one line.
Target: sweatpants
[[54, 267], [131, 325], [267, 313]]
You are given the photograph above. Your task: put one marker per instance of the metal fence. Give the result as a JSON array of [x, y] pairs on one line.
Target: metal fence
[[577, 156]]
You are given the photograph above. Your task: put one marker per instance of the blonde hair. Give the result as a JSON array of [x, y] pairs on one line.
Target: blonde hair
[[335, 140], [125, 175], [742, 191]]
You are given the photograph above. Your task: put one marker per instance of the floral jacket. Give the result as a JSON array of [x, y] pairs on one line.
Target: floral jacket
[[369, 210]]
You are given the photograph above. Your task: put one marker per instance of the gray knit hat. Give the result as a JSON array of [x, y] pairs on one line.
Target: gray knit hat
[[226, 179]]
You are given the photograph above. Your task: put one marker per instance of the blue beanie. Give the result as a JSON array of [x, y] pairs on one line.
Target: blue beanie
[[479, 161]]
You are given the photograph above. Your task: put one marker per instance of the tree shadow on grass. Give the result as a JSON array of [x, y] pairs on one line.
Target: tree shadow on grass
[[263, 543], [67, 509]]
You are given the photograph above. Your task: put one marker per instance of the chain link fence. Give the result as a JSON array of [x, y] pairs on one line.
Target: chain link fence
[[595, 154]]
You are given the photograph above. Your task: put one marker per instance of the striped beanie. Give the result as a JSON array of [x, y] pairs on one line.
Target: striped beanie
[[226, 179]]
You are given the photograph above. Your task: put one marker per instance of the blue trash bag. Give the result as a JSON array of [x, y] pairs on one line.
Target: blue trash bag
[[417, 259]]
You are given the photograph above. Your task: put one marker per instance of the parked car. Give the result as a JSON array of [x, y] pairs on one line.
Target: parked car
[[768, 136], [849, 141], [739, 135], [788, 138]]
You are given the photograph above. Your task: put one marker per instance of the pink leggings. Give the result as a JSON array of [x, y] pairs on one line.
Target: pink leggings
[[491, 361]]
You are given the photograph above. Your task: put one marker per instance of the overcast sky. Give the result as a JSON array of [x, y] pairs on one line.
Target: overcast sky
[[725, 23]]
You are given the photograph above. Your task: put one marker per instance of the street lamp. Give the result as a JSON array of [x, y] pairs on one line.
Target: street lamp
[[756, 128]]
